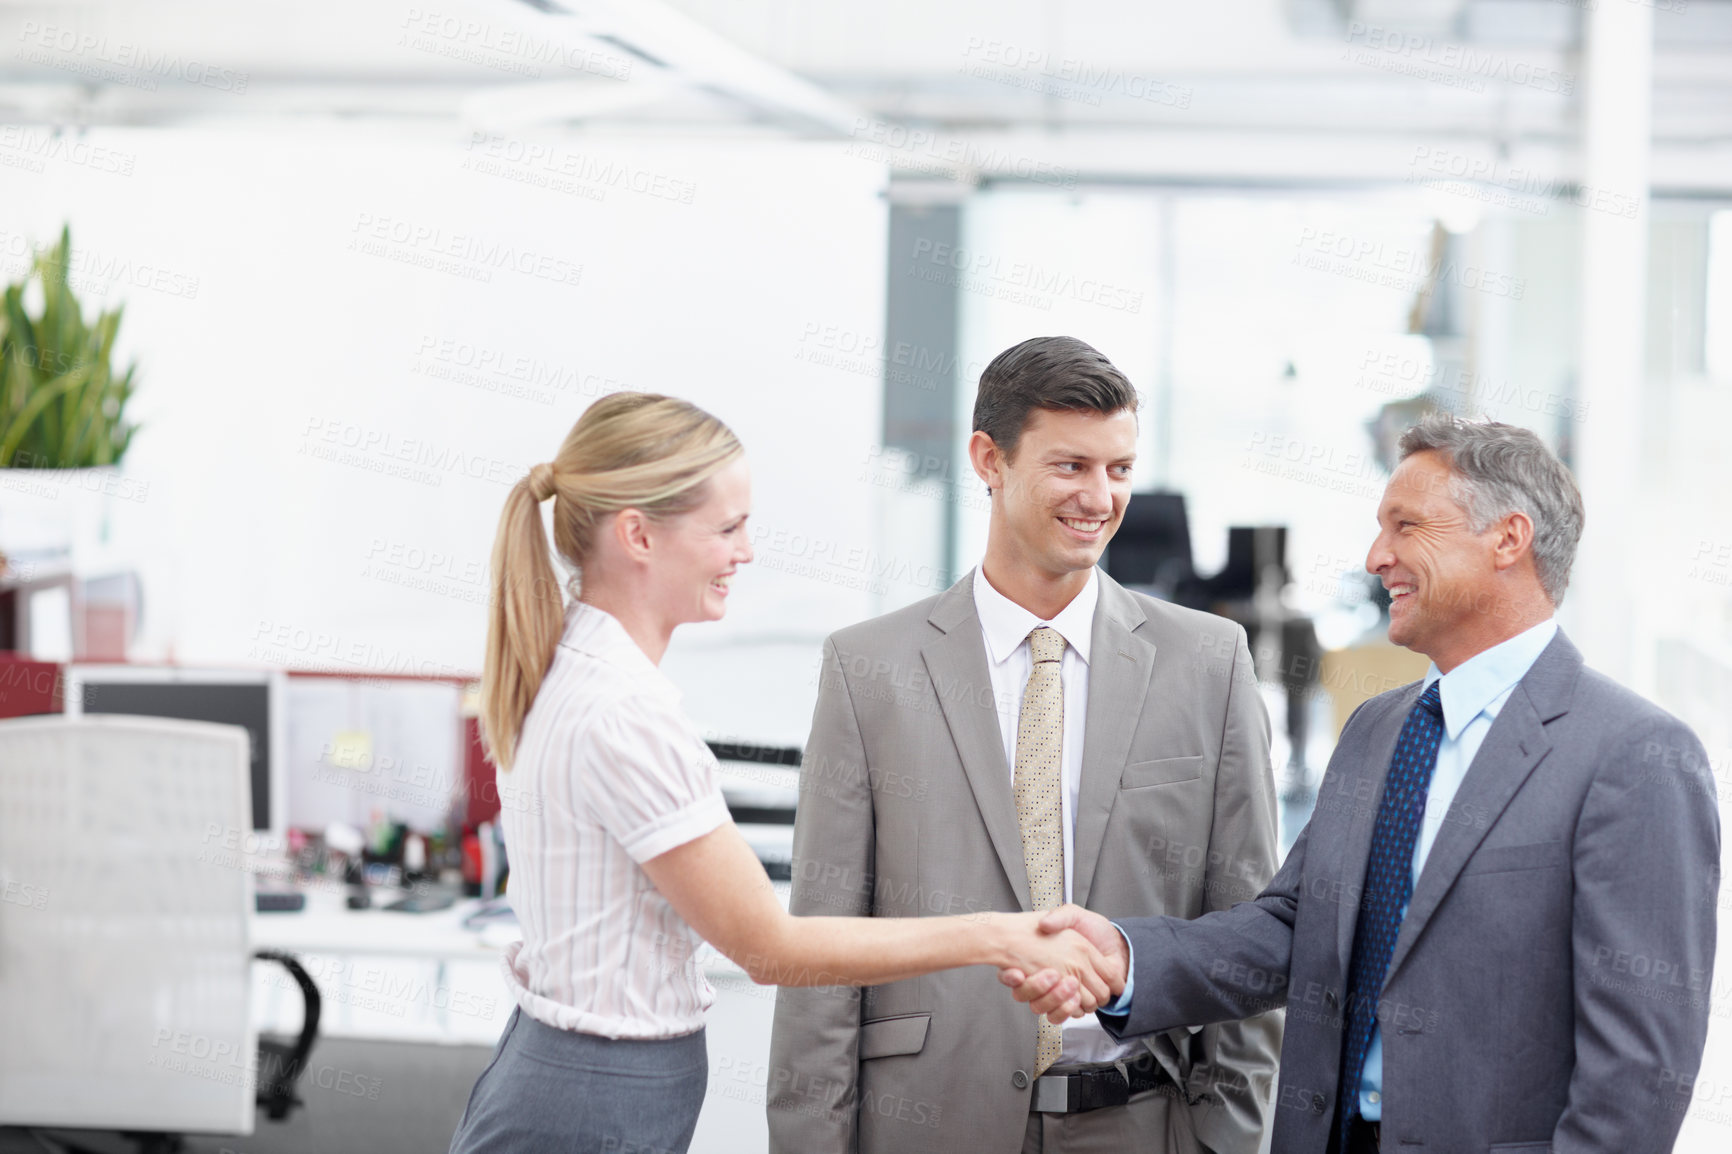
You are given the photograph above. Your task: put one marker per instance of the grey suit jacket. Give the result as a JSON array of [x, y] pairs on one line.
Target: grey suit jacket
[[906, 810], [1549, 987]]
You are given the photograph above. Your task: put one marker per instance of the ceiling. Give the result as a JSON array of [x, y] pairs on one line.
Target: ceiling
[[1240, 92]]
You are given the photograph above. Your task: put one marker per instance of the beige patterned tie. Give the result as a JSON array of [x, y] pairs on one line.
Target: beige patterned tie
[[1039, 747]]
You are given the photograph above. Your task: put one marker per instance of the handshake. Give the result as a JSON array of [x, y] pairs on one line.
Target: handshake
[[1065, 963]]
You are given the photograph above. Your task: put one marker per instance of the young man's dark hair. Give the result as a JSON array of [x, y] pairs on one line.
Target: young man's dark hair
[[1046, 373]]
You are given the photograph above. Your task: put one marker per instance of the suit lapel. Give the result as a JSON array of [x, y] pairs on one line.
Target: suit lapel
[[956, 662], [1356, 846], [1121, 661], [1516, 744]]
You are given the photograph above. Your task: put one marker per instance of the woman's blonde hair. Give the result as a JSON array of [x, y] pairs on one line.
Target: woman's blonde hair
[[628, 451]]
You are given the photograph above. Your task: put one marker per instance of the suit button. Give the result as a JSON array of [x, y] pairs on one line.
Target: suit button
[[1019, 1080], [1317, 1103]]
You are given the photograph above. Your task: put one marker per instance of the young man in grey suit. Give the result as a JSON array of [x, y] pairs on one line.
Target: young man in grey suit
[[1497, 931], [1034, 734]]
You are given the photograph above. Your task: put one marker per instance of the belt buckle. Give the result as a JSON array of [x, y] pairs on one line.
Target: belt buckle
[[1052, 1094], [1080, 1092]]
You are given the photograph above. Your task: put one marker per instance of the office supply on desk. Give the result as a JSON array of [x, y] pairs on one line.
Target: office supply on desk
[[491, 840], [424, 900], [279, 901], [360, 895], [250, 699]]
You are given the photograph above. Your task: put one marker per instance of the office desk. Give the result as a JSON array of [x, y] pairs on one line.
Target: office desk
[[328, 926], [399, 976], [385, 975]]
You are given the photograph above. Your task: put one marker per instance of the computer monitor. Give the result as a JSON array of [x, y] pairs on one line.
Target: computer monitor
[[253, 700]]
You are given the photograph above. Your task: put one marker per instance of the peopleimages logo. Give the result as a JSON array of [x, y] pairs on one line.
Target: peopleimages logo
[[30, 149], [1393, 266], [924, 151], [97, 57], [1458, 65], [1018, 281], [564, 170], [459, 253], [1066, 77], [504, 48], [92, 271], [1513, 186]]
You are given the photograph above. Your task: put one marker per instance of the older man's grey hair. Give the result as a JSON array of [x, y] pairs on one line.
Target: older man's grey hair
[[1498, 469]]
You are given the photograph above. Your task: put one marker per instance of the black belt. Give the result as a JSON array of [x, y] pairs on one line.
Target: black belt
[[1072, 1090], [1364, 1137]]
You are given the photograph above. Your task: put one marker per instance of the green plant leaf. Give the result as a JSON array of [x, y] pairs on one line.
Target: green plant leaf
[[62, 402], [41, 399]]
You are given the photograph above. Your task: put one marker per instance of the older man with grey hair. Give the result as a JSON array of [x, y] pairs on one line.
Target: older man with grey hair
[[1497, 931]]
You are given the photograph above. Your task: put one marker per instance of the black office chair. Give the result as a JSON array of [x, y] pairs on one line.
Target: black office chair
[[281, 1063], [1152, 548]]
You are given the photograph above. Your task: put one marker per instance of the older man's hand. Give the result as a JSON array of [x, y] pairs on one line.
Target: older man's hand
[[1055, 995]]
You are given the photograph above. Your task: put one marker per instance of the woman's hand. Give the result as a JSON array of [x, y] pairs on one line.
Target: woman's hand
[[1087, 979]]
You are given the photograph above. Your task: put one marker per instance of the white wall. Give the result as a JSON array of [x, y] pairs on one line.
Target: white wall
[[278, 303]]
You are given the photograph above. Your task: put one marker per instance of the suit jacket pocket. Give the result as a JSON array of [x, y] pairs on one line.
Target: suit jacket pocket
[[883, 1037], [1521, 1148], [1504, 858], [1162, 771]]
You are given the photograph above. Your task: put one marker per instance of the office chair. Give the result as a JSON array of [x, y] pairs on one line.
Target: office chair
[[125, 933], [1152, 548]]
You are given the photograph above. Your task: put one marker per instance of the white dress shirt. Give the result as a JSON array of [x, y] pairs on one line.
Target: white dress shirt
[[608, 774], [1473, 694], [1005, 627]]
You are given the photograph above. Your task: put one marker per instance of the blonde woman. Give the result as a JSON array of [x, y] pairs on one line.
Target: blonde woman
[[623, 857]]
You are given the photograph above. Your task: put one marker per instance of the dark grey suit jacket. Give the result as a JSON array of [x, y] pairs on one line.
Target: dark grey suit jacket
[[1550, 985], [906, 810]]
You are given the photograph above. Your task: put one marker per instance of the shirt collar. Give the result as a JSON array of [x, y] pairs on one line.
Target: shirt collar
[[598, 633], [1473, 686], [1005, 624]]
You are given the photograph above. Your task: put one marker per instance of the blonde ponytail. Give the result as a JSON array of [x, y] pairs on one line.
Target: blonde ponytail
[[627, 451]]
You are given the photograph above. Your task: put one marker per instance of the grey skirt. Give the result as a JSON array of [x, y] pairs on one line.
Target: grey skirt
[[551, 1091]]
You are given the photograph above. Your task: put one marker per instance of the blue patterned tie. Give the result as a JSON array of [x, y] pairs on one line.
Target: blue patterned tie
[[1388, 886]]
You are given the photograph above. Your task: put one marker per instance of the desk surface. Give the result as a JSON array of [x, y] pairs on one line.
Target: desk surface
[[409, 977], [328, 926]]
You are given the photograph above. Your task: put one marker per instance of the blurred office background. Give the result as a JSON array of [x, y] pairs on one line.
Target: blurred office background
[[375, 258]]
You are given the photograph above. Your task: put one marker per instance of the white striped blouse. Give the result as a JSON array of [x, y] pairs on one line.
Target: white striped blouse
[[609, 773]]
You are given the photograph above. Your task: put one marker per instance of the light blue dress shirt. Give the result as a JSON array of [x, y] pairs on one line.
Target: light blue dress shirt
[[1473, 694]]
